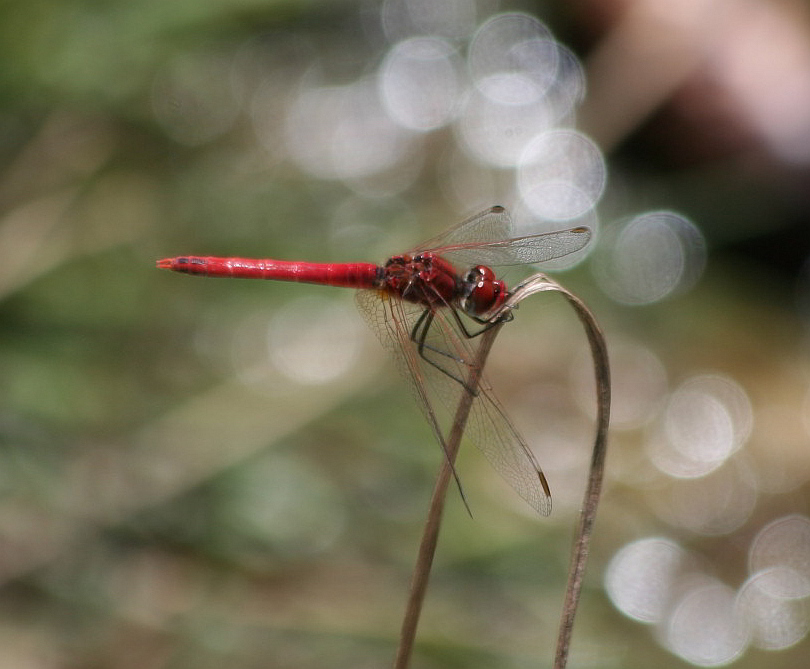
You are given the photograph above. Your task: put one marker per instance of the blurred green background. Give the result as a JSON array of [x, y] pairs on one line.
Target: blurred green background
[[196, 473]]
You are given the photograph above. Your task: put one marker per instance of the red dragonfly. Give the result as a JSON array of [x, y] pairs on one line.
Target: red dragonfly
[[427, 314]]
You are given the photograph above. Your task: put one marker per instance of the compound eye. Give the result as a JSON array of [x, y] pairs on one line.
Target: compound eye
[[483, 291], [474, 276], [479, 274]]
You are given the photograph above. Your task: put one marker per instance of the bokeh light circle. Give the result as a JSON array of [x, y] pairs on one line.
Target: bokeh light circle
[[641, 575], [561, 174], [784, 544], [652, 257], [698, 426], [775, 622], [513, 59], [496, 133], [419, 83], [705, 627], [707, 419]]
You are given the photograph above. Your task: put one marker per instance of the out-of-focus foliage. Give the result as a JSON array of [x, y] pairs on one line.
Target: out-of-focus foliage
[[196, 472]]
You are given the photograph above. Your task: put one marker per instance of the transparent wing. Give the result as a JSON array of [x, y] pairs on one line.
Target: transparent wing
[[438, 395], [486, 239], [492, 225]]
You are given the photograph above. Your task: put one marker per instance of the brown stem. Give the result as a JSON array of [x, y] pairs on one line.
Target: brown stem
[[579, 555]]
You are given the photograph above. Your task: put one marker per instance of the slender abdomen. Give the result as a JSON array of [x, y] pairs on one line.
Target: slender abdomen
[[346, 275]]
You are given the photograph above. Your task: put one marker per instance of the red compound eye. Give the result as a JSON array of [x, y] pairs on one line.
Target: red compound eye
[[482, 291]]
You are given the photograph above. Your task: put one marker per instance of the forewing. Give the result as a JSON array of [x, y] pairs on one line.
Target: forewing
[[438, 395], [519, 250], [485, 239], [491, 225]]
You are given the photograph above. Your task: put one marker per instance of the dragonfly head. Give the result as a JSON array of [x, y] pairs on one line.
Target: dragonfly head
[[481, 291]]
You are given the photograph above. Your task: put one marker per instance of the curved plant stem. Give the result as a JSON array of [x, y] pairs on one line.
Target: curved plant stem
[[579, 555], [430, 535]]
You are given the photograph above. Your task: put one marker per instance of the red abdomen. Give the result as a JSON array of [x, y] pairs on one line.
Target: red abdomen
[[346, 275]]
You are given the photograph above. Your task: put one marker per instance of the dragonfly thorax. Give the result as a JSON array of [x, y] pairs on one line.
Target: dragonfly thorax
[[425, 279]]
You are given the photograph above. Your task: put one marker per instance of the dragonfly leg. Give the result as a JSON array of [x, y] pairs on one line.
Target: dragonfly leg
[[486, 324], [419, 335]]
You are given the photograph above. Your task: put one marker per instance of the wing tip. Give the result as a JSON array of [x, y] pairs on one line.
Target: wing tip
[[545, 507]]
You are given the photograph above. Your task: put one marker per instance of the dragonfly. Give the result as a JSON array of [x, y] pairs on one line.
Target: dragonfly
[[428, 314]]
